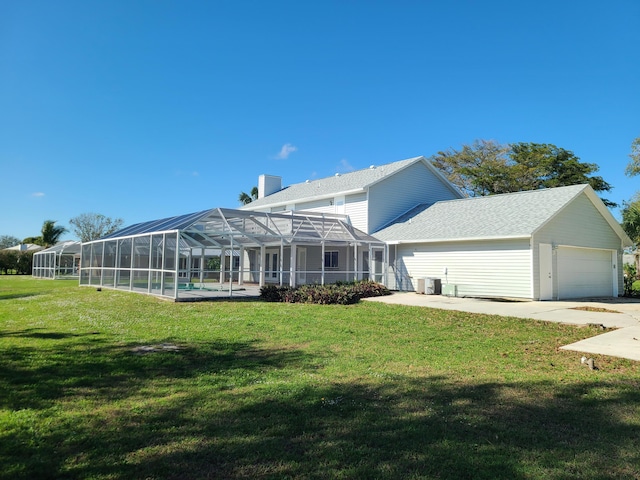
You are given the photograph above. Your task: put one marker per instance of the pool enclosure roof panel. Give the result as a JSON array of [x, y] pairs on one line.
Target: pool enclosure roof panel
[[222, 227], [162, 225], [67, 247]]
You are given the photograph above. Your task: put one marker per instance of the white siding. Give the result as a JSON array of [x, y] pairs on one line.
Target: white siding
[[319, 206], [399, 193], [480, 269], [579, 225], [356, 208]]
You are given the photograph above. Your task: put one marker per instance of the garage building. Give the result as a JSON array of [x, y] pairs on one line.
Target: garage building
[[546, 244]]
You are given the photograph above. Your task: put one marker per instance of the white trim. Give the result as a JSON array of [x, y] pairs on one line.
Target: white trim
[[299, 200], [546, 293], [448, 240]]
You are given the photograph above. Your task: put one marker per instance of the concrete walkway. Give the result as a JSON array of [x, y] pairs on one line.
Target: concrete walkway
[[623, 342]]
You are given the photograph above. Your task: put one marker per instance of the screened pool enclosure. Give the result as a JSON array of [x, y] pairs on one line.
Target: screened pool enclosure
[[226, 250], [60, 261]]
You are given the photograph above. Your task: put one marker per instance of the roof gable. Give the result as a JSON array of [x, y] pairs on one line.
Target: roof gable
[[341, 184], [512, 215]]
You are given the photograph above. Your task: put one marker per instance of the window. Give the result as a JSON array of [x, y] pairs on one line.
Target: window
[[272, 265], [330, 259]]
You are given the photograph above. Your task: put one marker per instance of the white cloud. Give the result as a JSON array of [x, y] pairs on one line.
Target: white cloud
[[286, 150], [37, 194], [344, 166]]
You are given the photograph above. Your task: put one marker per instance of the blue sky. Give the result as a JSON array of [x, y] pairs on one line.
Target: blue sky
[[148, 109]]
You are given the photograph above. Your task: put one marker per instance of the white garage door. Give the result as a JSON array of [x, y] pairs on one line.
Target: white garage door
[[584, 272]]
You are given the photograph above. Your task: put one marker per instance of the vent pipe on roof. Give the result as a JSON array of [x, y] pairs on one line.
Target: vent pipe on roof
[[372, 167], [337, 174]]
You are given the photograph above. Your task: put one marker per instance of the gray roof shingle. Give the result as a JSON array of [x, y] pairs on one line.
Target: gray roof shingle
[[346, 182], [509, 215]]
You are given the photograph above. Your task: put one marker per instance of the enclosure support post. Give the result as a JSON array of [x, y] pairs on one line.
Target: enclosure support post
[[262, 266], [322, 263]]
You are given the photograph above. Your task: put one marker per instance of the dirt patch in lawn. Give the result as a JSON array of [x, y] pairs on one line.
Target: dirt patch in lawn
[[595, 309]]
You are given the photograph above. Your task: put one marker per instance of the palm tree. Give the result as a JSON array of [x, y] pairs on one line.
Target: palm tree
[[50, 233], [245, 198]]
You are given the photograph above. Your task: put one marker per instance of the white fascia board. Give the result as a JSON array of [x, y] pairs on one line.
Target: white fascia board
[[450, 240], [305, 199], [601, 207], [433, 169], [604, 211]]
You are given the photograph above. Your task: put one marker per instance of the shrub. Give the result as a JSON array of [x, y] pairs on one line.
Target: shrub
[[340, 293], [630, 276]]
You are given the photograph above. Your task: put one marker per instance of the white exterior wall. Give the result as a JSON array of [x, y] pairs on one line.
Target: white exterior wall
[[325, 205], [499, 268], [356, 208], [399, 193], [580, 224]]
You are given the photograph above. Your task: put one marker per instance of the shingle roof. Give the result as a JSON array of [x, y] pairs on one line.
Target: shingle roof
[[346, 182], [509, 215]]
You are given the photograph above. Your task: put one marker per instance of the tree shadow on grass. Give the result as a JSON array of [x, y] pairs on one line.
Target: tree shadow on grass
[[114, 371], [39, 334], [241, 422], [13, 296]]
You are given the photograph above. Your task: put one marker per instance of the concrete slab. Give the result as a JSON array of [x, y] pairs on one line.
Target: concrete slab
[[623, 343]]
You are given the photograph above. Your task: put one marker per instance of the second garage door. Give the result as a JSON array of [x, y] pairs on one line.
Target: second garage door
[[584, 272]]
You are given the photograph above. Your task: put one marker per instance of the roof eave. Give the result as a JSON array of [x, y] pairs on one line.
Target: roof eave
[[248, 206], [600, 206], [462, 239]]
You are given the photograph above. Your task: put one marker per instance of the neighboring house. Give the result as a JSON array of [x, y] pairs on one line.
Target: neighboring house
[[25, 247], [546, 244], [371, 197]]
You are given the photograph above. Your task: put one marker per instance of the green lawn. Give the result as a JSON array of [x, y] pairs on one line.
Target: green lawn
[[115, 385]]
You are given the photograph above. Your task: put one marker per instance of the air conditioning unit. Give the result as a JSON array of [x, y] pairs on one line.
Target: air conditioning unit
[[420, 288], [433, 286], [450, 290]]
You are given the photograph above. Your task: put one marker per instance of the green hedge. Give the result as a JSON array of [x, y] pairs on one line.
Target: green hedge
[[341, 293]]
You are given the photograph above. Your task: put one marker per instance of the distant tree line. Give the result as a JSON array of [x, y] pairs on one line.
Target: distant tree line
[[86, 227], [13, 262]]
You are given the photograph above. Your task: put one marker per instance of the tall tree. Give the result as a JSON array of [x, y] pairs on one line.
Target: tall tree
[[633, 168], [246, 198], [474, 169], [545, 166], [487, 168], [50, 233], [92, 226], [631, 218], [7, 241], [631, 209]]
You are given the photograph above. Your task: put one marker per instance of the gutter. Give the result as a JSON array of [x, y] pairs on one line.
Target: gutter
[[447, 240]]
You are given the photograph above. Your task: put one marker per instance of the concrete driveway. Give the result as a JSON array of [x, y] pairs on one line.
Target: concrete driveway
[[623, 342]]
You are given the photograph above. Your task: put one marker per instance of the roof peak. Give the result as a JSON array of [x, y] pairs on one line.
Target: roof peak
[[577, 187], [360, 170]]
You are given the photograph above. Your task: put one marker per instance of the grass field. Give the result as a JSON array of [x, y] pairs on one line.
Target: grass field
[[115, 385]]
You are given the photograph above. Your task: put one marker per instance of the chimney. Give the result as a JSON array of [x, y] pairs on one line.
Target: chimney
[[268, 184]]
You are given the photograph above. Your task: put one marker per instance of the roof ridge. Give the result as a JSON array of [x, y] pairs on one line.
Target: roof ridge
[[371, 167], [520, 192]]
